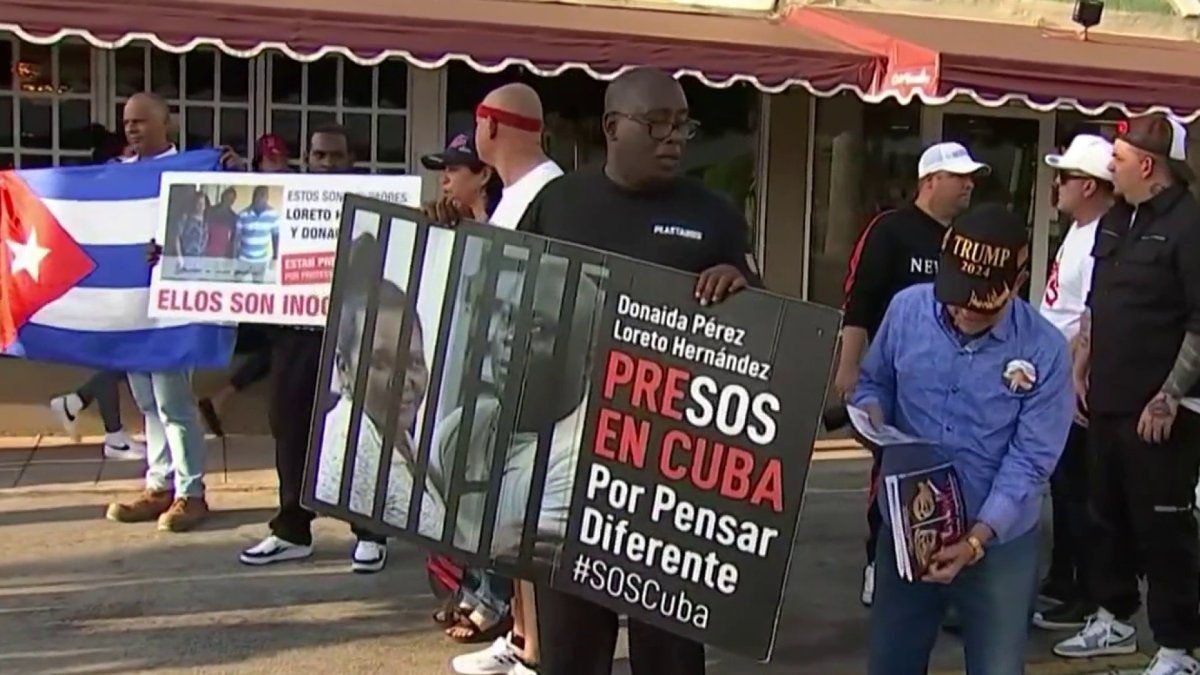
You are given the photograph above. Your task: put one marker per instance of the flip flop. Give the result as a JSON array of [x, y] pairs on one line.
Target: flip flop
[[449, 614], [211, 419], [478, 635]]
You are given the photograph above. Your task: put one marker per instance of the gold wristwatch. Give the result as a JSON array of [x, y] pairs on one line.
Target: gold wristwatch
[[977, 547]]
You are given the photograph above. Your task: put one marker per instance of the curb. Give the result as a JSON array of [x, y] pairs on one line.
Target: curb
[[8, 443], [255, 480]]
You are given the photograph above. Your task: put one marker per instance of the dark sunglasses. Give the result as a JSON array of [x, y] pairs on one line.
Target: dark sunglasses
[[1064, 177]]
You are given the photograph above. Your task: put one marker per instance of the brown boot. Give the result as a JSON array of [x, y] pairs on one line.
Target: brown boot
[[147, 507], [185, 513]]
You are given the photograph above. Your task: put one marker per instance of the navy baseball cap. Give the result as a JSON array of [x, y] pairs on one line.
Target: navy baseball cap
[[460, 151]]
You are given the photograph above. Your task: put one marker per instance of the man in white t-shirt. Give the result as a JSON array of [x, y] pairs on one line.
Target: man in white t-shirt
[[1083, 182], [508, 134], [508, 137]]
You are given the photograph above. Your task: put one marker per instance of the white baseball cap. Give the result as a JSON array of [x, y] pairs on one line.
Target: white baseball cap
[[1088, 154], [951, 158]]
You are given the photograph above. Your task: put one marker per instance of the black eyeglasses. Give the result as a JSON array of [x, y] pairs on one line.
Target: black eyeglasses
[[661, 130]]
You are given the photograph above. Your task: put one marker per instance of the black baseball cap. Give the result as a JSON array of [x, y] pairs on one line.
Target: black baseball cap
[[460, 151], [1163, 136], [983, 254]]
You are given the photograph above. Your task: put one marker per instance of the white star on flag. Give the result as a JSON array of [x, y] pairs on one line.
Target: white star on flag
[[28, 256]]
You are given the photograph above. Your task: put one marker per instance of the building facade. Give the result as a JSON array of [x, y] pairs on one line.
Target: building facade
[[809, 164]]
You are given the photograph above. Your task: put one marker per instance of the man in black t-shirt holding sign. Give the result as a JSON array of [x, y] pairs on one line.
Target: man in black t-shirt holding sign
[[638, 206]]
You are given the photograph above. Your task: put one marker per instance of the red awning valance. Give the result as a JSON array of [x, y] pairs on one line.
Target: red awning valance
[[546, 38], [937, 59]]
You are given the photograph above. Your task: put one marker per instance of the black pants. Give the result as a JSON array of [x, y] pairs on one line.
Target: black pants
[[1142, 497], [874, 515], [294, 389], [1072, 524], [258, 341], [577, 637], [103, 389], [254, 368]]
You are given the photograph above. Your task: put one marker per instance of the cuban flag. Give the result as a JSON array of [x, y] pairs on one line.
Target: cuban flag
[[74, 282]]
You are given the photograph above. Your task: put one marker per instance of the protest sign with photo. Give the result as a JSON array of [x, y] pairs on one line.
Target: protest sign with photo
[[255, 248], [479, 344], [489, 394]]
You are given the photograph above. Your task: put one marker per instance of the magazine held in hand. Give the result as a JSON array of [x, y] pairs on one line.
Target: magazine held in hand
[[927, 513], [925, 506]]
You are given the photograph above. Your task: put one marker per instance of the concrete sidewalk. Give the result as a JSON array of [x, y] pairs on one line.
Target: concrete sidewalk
[[51, 464]]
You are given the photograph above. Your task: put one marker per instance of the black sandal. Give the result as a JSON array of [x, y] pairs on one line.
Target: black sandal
[[211, 419]]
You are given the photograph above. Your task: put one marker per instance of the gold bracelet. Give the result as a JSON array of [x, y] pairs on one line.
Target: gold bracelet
[[976, 546]]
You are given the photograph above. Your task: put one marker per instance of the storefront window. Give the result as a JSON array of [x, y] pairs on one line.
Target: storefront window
[[45, 103], [208, 91], [864, 162], [370, 102], [723, 154]]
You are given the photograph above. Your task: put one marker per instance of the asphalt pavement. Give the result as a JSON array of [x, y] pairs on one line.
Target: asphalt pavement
[[81, 595]]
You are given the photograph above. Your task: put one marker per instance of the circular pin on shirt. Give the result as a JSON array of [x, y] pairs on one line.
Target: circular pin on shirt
[[1020, 375]]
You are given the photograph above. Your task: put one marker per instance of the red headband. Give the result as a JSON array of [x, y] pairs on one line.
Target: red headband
[[509, 119]]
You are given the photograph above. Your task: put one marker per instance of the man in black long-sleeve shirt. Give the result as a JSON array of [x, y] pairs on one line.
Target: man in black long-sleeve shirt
[[899, 249]]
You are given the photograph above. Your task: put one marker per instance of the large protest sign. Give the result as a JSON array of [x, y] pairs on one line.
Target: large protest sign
[[489, 392], [257, 248]]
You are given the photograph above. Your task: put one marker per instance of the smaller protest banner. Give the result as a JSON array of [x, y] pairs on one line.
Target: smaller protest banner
[[255, 248]]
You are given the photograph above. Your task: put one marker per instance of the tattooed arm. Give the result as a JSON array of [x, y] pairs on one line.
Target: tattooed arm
[[1186, 372]]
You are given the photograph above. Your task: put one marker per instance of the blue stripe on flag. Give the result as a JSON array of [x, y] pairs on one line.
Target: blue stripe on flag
[[114, 182], [151, 350], [121, 266]]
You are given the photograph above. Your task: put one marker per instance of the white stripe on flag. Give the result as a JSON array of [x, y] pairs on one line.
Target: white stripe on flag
[[102, 309], [93, 223]]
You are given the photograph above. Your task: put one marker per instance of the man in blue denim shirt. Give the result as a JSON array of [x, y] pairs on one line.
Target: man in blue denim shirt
[[967, 365]]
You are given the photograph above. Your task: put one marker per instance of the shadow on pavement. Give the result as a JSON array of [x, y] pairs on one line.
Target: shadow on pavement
[[185, 605]]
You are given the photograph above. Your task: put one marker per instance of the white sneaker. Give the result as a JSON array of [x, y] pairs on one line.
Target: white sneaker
[[1102, 635], [119, 445], [521, 669], [274, 550], [868, 585], [499, 658], [1172, 663], [368, 558], [66, 410]]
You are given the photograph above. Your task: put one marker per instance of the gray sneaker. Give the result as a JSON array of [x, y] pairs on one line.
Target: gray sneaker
[[1099, 637]]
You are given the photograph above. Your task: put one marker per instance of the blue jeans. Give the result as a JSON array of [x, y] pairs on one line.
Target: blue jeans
[[174, 441], [994, 599], [487, 595]]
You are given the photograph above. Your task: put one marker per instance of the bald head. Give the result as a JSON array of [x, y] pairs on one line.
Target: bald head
[[147, 118], [508, 130], [639, 89], [519, 99]]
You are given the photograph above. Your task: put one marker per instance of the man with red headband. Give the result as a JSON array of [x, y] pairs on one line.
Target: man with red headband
[[508, 137]]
